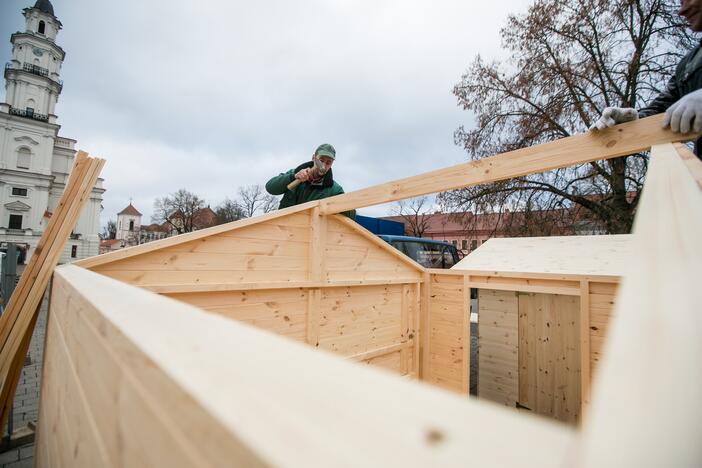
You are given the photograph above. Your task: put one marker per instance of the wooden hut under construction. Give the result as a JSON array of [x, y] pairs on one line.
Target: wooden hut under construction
[[239, 345], [544, 307]]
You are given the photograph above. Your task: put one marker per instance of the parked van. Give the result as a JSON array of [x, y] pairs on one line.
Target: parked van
[[429, 253]]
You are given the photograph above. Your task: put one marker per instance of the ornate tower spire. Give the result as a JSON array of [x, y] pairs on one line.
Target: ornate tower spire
[[32, 78]]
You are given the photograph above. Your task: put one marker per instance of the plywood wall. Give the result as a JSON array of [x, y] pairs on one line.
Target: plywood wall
[[322, 280], [498, 346], [448, 329], [549, 355], [601, 299]]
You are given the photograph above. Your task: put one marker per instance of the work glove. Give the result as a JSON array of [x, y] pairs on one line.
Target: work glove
[[685, 114], [612, 116]]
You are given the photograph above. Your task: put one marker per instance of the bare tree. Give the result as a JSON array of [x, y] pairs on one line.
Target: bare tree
[[569, 59], [229, 210], [254, 198], [178, 210], [416, 213], [109, 231]]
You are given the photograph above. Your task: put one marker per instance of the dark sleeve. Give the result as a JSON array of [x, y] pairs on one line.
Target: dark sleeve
[[278, 185], [663, 101]]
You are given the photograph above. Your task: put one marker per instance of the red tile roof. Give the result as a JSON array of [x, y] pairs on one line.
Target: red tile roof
[[129, 210]]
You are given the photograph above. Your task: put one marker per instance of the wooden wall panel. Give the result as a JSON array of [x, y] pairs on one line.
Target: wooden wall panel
[[498, 321], [448, 333], [281, 311], [349, 255], [273, 250], [602, 298], [549, 355]]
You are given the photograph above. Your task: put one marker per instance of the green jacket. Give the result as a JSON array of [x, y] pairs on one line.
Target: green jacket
[[304, 192]]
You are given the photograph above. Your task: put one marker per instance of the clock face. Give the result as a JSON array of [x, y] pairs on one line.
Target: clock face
[[37, 51]]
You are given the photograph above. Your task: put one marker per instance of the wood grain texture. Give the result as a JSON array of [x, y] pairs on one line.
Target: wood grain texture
[[654, 342], [498, 342], [449, 339], [169, 398], [549, 355], [620, 140]]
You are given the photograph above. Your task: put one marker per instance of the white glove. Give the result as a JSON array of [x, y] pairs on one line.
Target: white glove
[[685, 114], [614, 115]]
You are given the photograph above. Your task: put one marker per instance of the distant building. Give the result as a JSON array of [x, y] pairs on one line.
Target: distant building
[[34, 160], [131, 232], [467, 231]]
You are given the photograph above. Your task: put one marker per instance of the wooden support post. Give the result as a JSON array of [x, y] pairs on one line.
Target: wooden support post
[[404, 328], [416, 326], [466, 335], [424, 330], [584, 348], [314, 300]]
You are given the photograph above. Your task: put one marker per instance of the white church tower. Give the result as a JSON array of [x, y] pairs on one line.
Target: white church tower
[[34, 159]]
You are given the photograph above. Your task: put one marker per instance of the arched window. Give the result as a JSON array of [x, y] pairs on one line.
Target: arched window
[[24, 157], [131, 224], [42, 27]]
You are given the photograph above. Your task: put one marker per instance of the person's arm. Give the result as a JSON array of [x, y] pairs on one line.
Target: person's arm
[[663, 101], [278, 185]]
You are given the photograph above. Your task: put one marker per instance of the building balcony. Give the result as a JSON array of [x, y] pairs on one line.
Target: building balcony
[[29, 114], [34, 70]]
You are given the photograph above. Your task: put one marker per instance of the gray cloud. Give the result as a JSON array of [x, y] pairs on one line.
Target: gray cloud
[[212, 95]]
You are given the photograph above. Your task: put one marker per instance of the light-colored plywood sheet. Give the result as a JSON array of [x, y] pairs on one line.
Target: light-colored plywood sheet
[[448, 333], [172, 399], [567, 255], [549, 355], [498, 346]]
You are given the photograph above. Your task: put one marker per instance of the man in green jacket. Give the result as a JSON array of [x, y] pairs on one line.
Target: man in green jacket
[[313, 186], [682, 99]]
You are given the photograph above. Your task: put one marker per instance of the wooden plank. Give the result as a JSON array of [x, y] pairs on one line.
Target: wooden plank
[[405, 328], [549, 372], [424, 324], [359, 231], [152, 279], [465, 329], [498, 319], [691, 161], [381, 352], [23, 305], [313, 317], [664, 276], [584, 347], [222, 261], [318, 226], [224, 229], [178, 288], [621, 140]]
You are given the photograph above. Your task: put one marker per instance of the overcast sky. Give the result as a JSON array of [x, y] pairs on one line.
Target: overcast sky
[[212, 95]]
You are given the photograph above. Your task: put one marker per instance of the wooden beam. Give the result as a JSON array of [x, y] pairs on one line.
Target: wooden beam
[[181, 288], [405, 345], [466, 335], [620, 140], [646, 409]]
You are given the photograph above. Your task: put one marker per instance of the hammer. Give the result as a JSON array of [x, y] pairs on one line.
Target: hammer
[[318, 170]]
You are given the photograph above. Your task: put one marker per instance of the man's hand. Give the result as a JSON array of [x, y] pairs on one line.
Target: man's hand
[[612, 116], [686, 114], [304, 175]]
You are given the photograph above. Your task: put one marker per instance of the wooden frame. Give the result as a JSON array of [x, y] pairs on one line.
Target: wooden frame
[[245, 407]]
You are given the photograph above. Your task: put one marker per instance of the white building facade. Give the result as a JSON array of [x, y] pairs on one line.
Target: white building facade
[[34, 160]]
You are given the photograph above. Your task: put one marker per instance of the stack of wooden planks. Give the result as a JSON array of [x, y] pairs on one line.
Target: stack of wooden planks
[[18, 320]]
